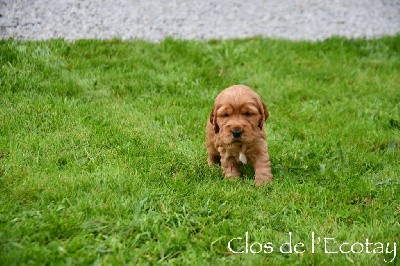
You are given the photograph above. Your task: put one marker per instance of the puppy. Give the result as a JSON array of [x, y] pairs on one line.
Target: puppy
[[235, 133]]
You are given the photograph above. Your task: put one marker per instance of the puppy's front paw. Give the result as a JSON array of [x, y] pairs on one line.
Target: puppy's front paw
[[263, 178], [260, 182], [232, 178]]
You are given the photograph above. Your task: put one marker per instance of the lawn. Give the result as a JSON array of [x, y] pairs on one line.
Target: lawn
[[103, 159]]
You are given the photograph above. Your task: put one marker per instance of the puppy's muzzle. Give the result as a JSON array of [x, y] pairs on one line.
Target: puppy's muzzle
[[237, 133]]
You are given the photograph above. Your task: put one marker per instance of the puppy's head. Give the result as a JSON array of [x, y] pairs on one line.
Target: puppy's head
[[238, 114]]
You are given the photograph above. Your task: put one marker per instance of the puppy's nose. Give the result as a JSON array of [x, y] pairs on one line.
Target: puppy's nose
[[237, 132]]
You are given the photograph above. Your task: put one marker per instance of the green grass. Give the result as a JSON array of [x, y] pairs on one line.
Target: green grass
[[103, 159]]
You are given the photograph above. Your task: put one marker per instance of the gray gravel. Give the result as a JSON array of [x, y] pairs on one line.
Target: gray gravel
[[204, 19]]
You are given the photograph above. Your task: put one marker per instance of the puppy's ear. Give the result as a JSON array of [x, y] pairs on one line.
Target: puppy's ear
[[264, 115], [213, 120]]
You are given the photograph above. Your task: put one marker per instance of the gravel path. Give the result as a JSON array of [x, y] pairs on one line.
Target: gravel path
[[204, 19]]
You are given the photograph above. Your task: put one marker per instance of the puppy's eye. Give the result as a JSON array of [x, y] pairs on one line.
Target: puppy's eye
[[225, 115], [248, 114]]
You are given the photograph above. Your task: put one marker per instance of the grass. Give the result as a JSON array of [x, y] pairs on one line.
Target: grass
[[103, 159]]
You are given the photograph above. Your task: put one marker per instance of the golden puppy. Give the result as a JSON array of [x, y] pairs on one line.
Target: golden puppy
[[235, 133]]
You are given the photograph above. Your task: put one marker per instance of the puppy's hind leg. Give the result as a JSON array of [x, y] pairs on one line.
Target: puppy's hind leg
[[213, 159], [213, 156]]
